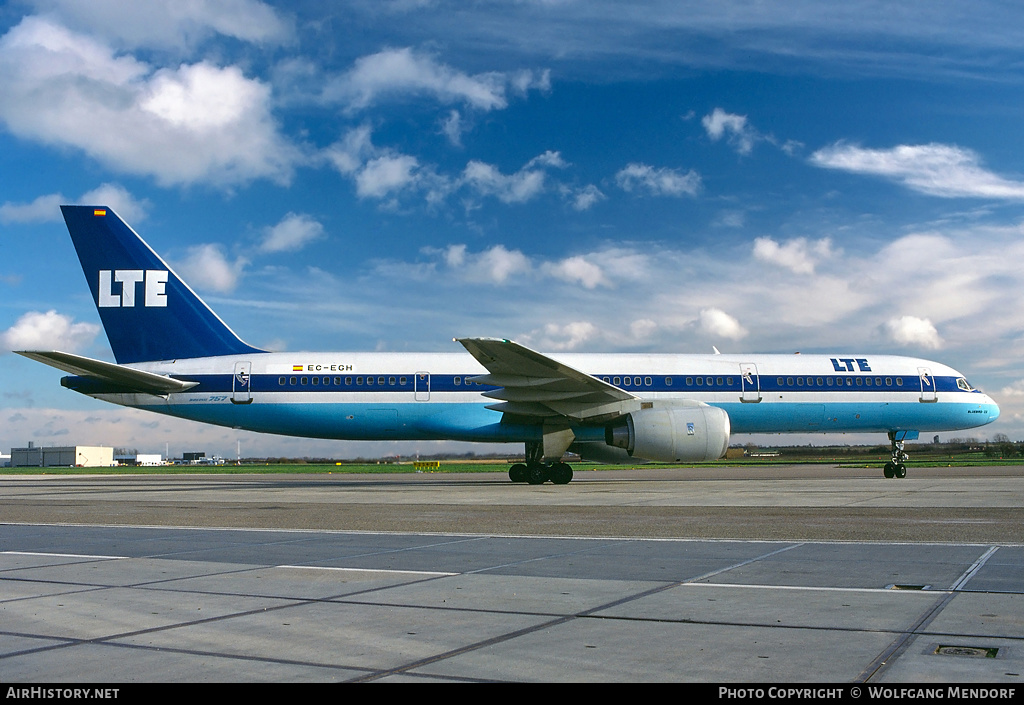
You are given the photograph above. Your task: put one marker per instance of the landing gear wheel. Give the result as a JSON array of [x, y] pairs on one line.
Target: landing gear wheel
[[561, 474], [889, 471], [900, 470], [537, 474], [517, 473]]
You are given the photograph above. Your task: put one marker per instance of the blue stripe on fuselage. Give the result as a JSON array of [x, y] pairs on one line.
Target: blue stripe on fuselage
[[639, 384], [467, 421]]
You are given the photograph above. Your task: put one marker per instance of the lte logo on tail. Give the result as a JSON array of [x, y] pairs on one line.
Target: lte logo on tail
[[154, 280]]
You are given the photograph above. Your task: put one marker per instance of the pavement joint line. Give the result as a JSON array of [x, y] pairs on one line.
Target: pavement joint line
[[975, 567], [591, 612]]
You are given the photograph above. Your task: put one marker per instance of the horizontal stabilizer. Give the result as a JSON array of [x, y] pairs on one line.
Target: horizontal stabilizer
[[119, 375]]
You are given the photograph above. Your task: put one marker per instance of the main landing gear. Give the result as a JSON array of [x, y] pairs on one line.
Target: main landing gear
[[536, 472], [895, 467]]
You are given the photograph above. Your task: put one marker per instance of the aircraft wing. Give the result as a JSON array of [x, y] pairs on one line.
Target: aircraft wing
[[534, 385], [129, 378]]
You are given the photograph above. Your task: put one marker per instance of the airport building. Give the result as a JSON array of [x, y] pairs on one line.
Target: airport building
[[62, 456]]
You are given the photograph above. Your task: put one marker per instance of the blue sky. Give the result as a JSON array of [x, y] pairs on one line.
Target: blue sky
[[578, 176]]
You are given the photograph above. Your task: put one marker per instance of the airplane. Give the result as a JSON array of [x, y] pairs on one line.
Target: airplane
[[175, 356]]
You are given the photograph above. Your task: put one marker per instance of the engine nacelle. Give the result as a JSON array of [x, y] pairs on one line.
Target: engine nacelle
[[673, 432]]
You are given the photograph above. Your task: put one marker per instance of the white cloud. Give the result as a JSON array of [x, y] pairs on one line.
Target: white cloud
[[46, 209], [386, 174], [294, 232], [933, 169], [658, 182], [1016, 389], [569, 336], [172, 23], [913, 331], [349, 154], [452, 127], [583, 199], [499, 264], [798, 255], [577, 269], [643, 328], [720, 123], [397, 73], [194, 123], [496, 265], [519, 187], [716, 322], [206, 267], [48, 331]]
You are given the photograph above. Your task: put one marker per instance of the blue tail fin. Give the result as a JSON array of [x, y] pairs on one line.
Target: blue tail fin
[[147, 311]]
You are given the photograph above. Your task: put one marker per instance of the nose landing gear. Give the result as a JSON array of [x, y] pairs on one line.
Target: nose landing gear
[[896, 467]]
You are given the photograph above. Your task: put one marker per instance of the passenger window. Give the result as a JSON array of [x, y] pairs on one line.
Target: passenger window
[[348, 381], [458, 381], [401, 381], [615, 380], [668, 381], [280, 381], [291, 381], [647, 381], [359, 381], [860, 381]]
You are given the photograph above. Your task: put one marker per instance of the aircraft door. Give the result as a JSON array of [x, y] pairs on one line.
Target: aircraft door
[[928, 392], [750, 383], [241, 382], [421, 386]]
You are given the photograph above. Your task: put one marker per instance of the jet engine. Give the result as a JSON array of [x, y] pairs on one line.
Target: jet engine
[[672, 432]]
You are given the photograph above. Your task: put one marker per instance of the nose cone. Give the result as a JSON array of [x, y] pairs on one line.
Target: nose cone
[[993, 409]]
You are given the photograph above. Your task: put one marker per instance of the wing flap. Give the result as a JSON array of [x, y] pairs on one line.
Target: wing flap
[[120, 375], [535, 385]]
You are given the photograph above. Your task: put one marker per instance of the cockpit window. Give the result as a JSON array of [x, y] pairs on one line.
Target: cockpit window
[[964, 384]]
